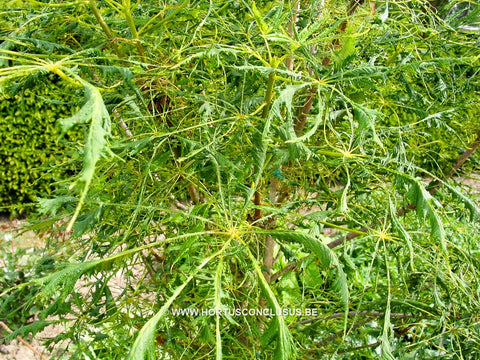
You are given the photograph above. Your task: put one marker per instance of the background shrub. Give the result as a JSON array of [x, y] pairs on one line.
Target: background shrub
[[31, 145]]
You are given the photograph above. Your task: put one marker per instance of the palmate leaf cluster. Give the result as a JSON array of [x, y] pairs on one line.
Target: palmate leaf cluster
[[260, 155]]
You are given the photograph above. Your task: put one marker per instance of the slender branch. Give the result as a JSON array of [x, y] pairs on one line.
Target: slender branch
[[179, 205], [269, 245], [257, 201], [354, 4], [461, 160], [123, 125], [434, 185], [350, 314], [289, 62], [2, 324], [268, 95], [331, 245], [341, 332], [131, 25], [106, 29], [192, 191], [346, 238], [374, 344], [292, 266], [100, 20], [162, 105], [268, 257], [440, 344], [305, 110], [266, 109], [302, 113]]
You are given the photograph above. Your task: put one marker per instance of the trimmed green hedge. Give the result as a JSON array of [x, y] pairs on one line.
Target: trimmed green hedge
[[31, 146]]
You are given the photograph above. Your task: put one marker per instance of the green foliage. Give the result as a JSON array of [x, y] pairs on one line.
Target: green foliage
[[95, 145], [18, 268], [231, 161], [33, 155]]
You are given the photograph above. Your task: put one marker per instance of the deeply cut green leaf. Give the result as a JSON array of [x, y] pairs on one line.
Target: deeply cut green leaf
[[93, 110]]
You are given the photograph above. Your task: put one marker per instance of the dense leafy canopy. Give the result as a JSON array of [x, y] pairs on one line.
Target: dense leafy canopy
[[30, 139], [261, 155]]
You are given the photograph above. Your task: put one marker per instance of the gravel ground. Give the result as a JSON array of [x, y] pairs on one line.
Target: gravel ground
[[16, 350]]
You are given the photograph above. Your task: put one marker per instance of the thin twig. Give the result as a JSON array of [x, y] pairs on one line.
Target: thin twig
[[305, 109], [268, 257], [331, 245], [289, 62], [292, 266], [461, 160], [351, 313], [376, 343], [2, 324], [123, 125], [105, 28], [346, 238], [257, 201], [440, 344], [434, 185], [341, 332], [354, 4]]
